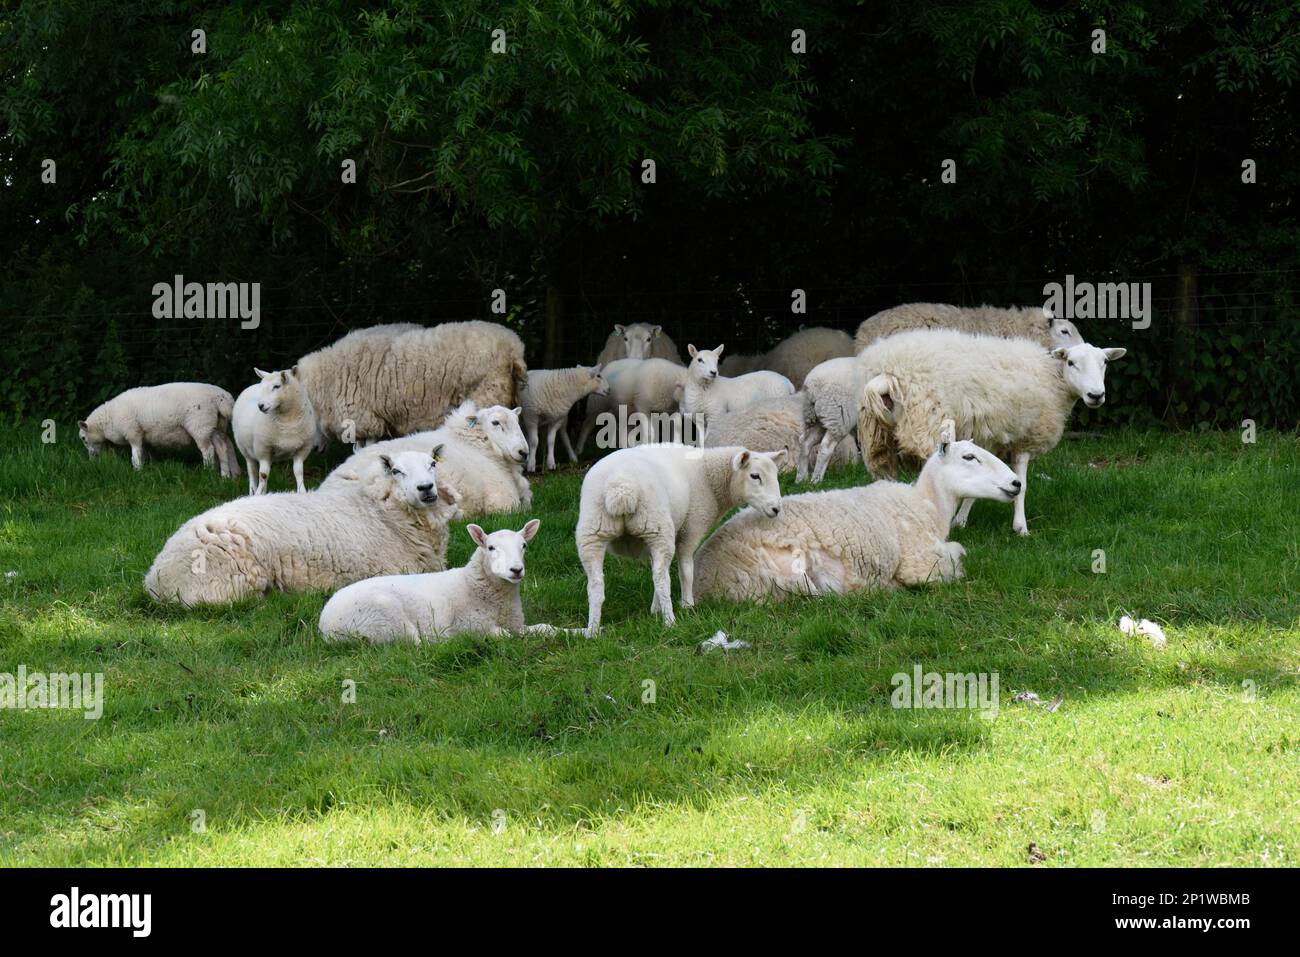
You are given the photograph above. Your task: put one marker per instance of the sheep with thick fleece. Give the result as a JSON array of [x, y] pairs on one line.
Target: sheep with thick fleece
[[644, 386], [273, 420], [795, 356], [1008, 395], [878, 536], [831, 394], [661, 500], [551, 393], [391, 381], [482, 460], [640, 340], [392, 520], [776, 423], [708, 394], [482, 597], [1017, 322], [170, 416]]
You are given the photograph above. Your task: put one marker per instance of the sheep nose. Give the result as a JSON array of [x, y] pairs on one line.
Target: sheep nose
[[1015, 483], [713, 374], [260, 407], [776, 510], [424, 488], [1097, 396], [517, 571]]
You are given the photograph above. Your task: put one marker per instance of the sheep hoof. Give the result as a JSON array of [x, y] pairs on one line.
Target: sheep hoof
[[1022, 530]]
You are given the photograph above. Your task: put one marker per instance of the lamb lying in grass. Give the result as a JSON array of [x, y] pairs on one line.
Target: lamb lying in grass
[[661, 500], [482, 597], [392, 519], [170, 416], [275, 420], [877, 536]]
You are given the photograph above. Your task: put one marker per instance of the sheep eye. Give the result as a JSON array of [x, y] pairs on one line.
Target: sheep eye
[[754, 476], [969, 457], [492, 548], [1071, 363]]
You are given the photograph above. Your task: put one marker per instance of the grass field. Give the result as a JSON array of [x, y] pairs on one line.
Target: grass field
[[541, 751]]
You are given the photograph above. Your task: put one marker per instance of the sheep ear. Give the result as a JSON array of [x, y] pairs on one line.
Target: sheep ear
[[1115, 353], [654, 331], [941, 449], [387, 463], [82, 424], [294, 371], [1047, 314], [284, 377], [691, 349], [619, 330], [261, 374], [775, 456], [518, 410], [947, 431], [472, 421], [718, 351], [1060, 352], [598, 368], [530, 529], [476, 533], [436, 454], [740, 460]]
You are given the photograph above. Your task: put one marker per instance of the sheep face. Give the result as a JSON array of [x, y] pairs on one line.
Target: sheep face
[[1084, 369], [414, 476], [637, 339], [274, 387], [503, 552], [503, 430], [92, 438], [1061, 332], [970, 471], [597, 384], [754, 481], [704, 362]]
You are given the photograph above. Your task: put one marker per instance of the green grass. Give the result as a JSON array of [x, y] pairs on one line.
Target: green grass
[[785, 753]]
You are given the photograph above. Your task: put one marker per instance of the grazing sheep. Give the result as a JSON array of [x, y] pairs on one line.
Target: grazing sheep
[[170, 416], [662, 500], [551, 393], [877, 536], [1008, 395], [390, 380], [1017, 322], [274, 420], [482, 597], [482, 463], [831, 394], [708, 394], [640, 340], [644, 386], [776, 423], [392, 520]]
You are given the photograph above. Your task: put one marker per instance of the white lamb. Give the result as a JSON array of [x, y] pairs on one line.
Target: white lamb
[[1008, 395], [1017, 322], [776, 423], [392, 520], [638, 386], [878, 536], [640, 340], [708, 394], [482, 460], [830, 412], [481, 597], [661, 500], [170, 416], [274, 420], [551, 393], [394, 380]]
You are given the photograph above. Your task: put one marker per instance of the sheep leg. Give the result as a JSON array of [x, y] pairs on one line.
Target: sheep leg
[[531, 426], [297, 474], [661, 558], [593, 563], [824, 451], [227, 463], [959, 520], [811, 434], [137, 454], [263, 474], [564, 437], [1018, 524], [588, 423], [250, 463], [550, 443]]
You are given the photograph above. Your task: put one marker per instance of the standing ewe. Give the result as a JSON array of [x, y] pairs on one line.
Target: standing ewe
[[640, 340], [393, 520], [482, 461], [1017, 322], [551, 393], [274, 420], [482, 596], [1008, 395], [707, 393], [389, 381], [881, 535], [170, 416], [662, 500], [639, 386]]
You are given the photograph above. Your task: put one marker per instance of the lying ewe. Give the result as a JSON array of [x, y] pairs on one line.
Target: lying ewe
[[662, 500], [876, 536], [1008, 395], [708, 394], [395, 380], [482, 459], [170, 416], [393, 520], [274, 420], [644, 386], [772, 424], [640, 340], [482, 597], [1018, 322], [551, 393], [831, 393]]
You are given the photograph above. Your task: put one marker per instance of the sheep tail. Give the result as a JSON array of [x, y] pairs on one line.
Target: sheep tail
[[519, 375], [621, 497]]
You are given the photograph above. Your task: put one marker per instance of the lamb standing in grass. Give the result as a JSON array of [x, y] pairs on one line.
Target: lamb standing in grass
[[392, 520], [1017, 322], [481, 464], [551, 393], [662, 500], [274, 420], [878, 536], [170, 416], [481, 597], [1008, 395], [772, 424], [708, 394]]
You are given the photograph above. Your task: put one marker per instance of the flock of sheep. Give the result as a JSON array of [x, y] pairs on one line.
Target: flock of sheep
[[445, 420]]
